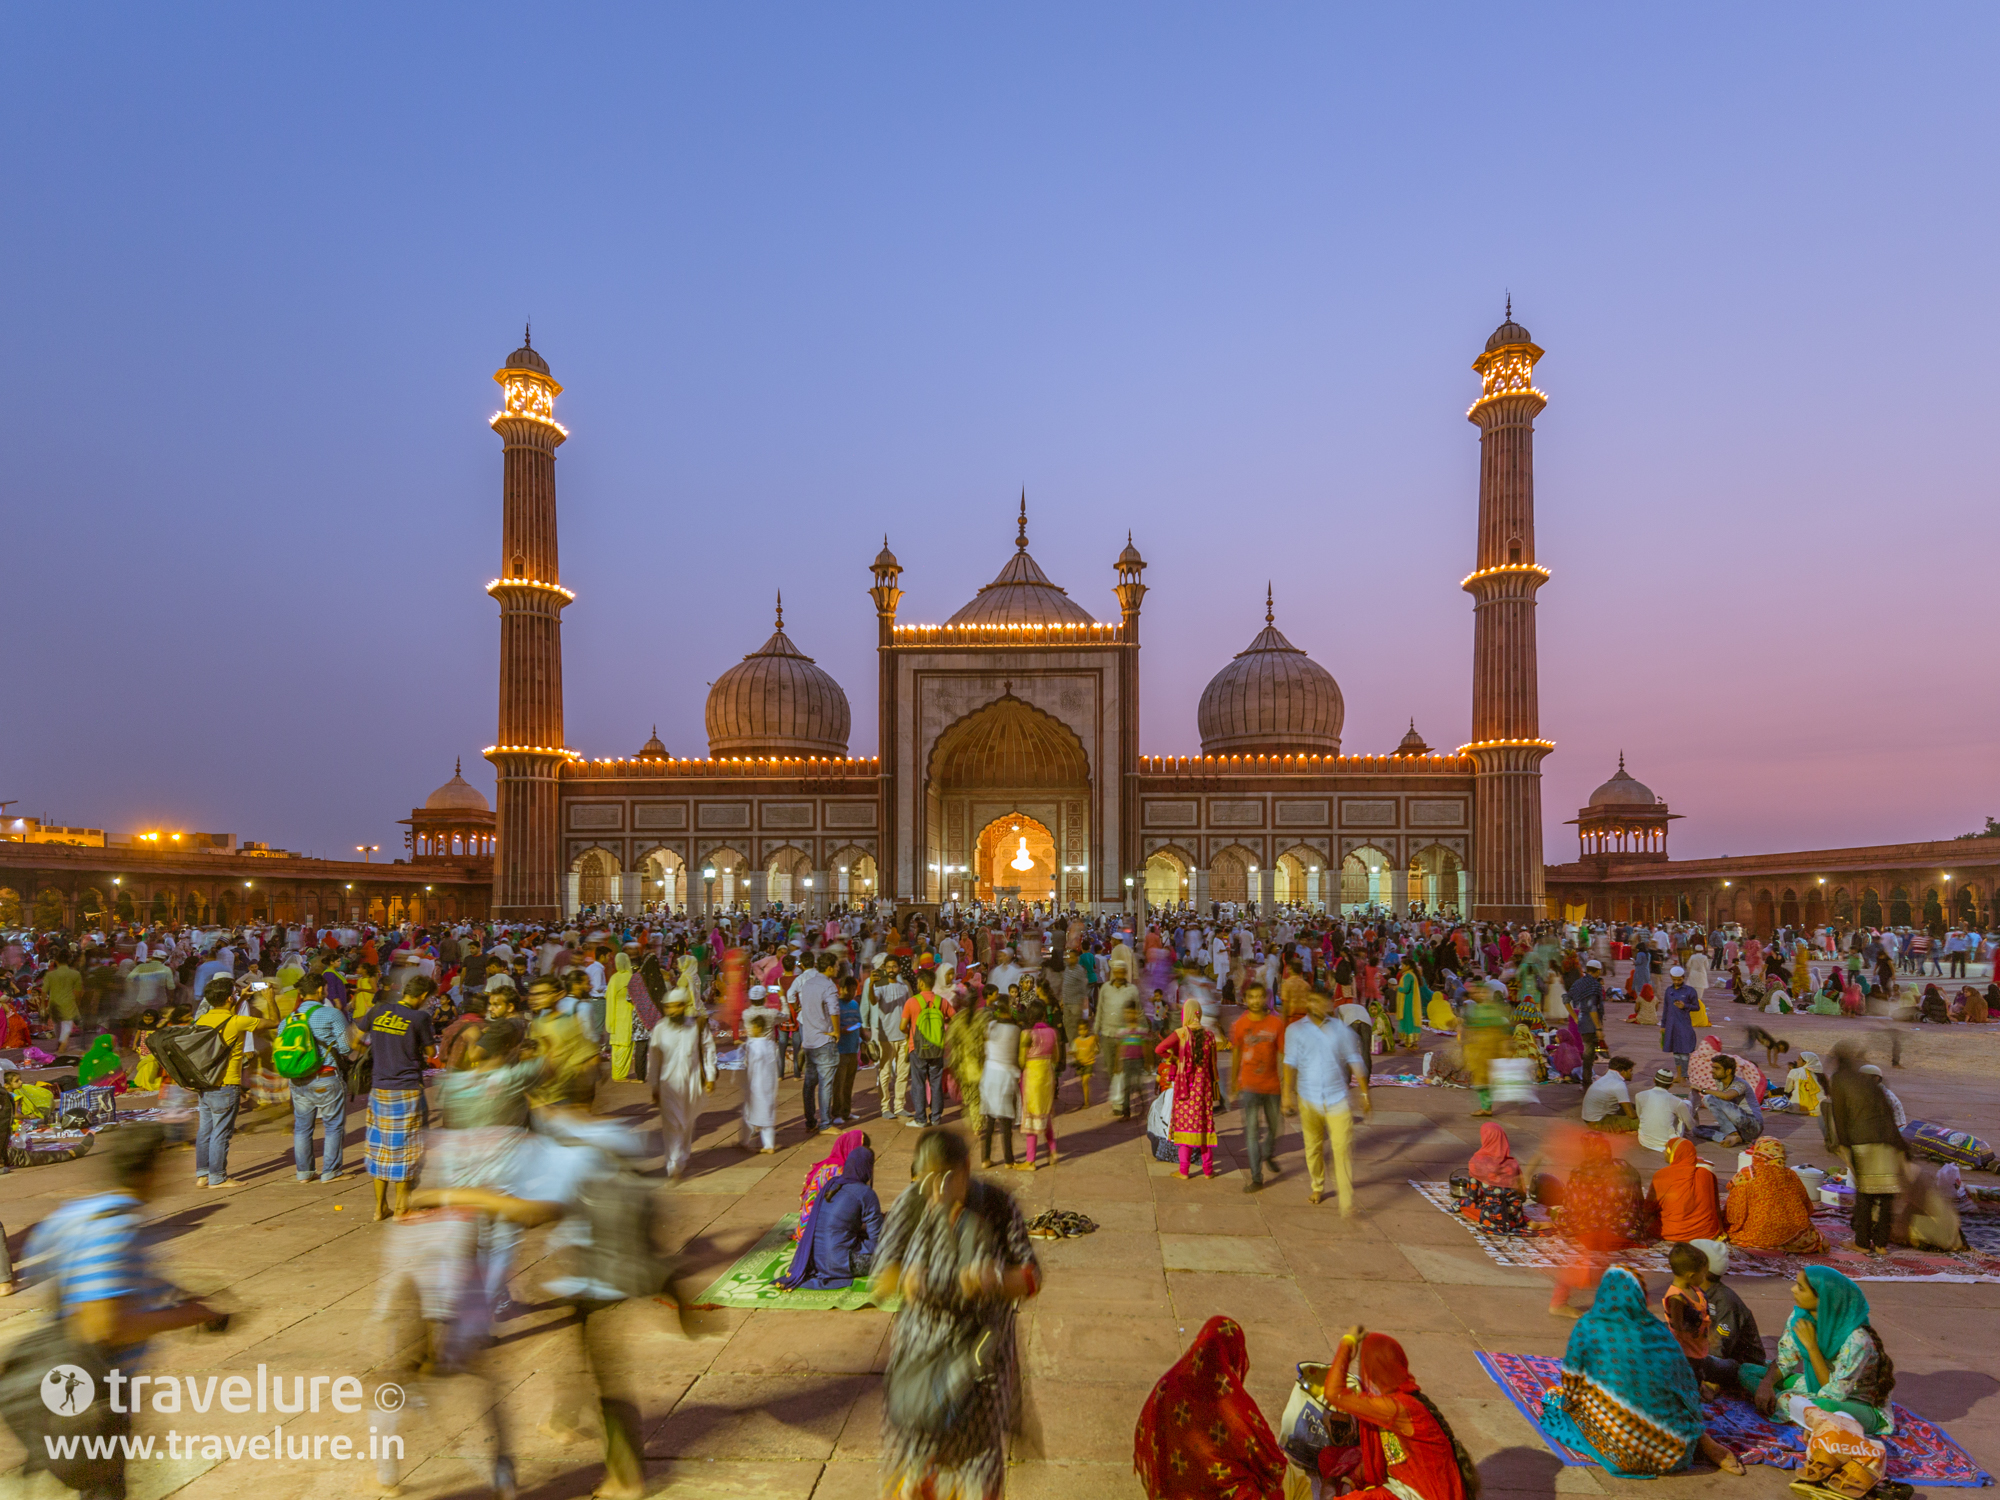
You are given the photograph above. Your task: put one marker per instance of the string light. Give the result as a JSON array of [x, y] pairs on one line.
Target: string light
[[497, 584], [1507, 744], [1504, 568]]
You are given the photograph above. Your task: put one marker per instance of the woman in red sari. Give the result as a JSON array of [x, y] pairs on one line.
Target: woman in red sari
[[1200, 1434], [1190, 1054], [1406, 1447]]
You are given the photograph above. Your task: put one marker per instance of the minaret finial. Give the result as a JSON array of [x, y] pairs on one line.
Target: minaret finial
[[1021, 541], [528, 334], [1510, 306], [458, 765], [1269, 616], [781, 609], [1621, 762]]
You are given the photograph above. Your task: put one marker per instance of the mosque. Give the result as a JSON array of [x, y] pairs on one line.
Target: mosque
[[1009, 761]]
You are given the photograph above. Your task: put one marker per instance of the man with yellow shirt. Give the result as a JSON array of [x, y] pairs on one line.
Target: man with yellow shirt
[[217, 1119]]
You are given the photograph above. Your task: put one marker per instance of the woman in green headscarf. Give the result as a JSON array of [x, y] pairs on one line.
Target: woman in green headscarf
[[1628, 1397], [1829, 1357]]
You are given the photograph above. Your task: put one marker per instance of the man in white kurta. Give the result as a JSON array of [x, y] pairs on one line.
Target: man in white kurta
[[680, 1068]]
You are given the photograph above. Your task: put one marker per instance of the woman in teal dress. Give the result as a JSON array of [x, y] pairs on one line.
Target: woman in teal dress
[[1830, 1356], [1628, 1398], [1409, 1005]]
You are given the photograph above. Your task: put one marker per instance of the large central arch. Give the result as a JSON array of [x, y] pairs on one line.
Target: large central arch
[[1004, 759]]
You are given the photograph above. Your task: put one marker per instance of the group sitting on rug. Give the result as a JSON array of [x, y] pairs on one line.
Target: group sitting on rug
[[838, 1246], [1363, 1427]]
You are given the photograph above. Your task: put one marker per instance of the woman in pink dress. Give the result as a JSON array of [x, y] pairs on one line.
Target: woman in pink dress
[[1190, 1052]]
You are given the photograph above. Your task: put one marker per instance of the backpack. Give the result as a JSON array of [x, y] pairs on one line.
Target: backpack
[[929, 1038], [623, 1255], [196, 1057], [295, 1053]]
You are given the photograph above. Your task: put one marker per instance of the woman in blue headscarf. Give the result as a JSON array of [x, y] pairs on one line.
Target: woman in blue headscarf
[[1628, 1398], [1829, 1357], [839, 1243]]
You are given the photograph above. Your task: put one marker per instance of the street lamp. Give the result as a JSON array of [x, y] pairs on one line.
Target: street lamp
[[364, 850]]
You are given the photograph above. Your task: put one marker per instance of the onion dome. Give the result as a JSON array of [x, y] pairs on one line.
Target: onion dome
[[652, 749], [776, 702], [885, 560], [1272, 699], [1130, 557], [457, 795], [1622, 791], [1021, 594], [1508, 332], [525, 358], [1412, 743]]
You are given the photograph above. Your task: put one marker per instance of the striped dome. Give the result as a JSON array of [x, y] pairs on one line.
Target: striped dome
[[776, 702], [1272, 699]]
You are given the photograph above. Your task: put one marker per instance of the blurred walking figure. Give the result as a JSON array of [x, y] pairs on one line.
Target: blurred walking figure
[[680, 1068]]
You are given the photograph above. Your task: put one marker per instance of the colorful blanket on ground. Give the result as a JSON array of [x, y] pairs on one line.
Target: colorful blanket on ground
[[752, 1281], [1548, 1251], [1920, 1453]]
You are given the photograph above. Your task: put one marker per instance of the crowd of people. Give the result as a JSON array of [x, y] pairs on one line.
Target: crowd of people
[[479, 1051]]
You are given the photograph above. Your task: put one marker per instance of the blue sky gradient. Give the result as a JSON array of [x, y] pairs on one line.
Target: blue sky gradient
[[812, 274]]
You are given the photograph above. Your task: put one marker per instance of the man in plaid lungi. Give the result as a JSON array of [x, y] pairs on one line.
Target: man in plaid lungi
[[400, 1039]]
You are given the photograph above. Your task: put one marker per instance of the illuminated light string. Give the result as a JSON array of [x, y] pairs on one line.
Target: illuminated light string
[[1507, 744], [530, 583], [531, 750], [1499, 568]]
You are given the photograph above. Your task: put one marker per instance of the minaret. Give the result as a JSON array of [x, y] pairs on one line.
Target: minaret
[[1131, 590], [528, 758], [1506, 747], [887, 595]]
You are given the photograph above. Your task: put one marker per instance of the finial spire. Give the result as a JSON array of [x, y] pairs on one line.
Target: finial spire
[[781, 609], [1621, 762], [1021, 541], [458, 765], [1510, 306], [528, 334], [1269, 616]]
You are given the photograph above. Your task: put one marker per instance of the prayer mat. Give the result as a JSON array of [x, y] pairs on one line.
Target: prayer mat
[[1410, 1081], [1551, 1251], [752, 1281], [1920, 1452]]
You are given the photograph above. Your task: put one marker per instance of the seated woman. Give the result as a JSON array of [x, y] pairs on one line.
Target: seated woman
[[846, 1225], [1767, 1207], [1926, 1213], [1407, 1448], [823, 1172], [1567, 1056], [1803, 1086], [1498, 1201], [1603, 1208], [1829, 1357], [1965, 1003], [1627, 1397], [1933, 1007], [1685, 1195], [1648, 1009], [1201, 1433]]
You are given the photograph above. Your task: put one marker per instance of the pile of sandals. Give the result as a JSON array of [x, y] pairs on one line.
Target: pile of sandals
[[1061, 1224]]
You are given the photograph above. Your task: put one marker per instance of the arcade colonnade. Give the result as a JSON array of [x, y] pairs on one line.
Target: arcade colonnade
[[662, 877], [1433, 877], [1933, 885]]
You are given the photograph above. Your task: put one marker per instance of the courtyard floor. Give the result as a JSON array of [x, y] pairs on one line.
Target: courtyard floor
[[787, 1403]]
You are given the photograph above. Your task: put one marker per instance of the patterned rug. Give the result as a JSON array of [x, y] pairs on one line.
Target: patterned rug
[[752, 1281], [1920, 1452], [1550, 1251], [1410, 1081]]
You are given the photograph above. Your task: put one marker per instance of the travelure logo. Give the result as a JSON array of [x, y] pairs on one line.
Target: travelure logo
[[68, 1390]]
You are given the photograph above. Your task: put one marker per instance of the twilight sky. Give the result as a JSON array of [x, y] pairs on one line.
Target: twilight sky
[[814, 273]]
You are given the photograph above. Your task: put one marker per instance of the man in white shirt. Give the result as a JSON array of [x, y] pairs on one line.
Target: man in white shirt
[[1663, 1114], [1006, 974], [892, 1073], [1607, 1103]]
